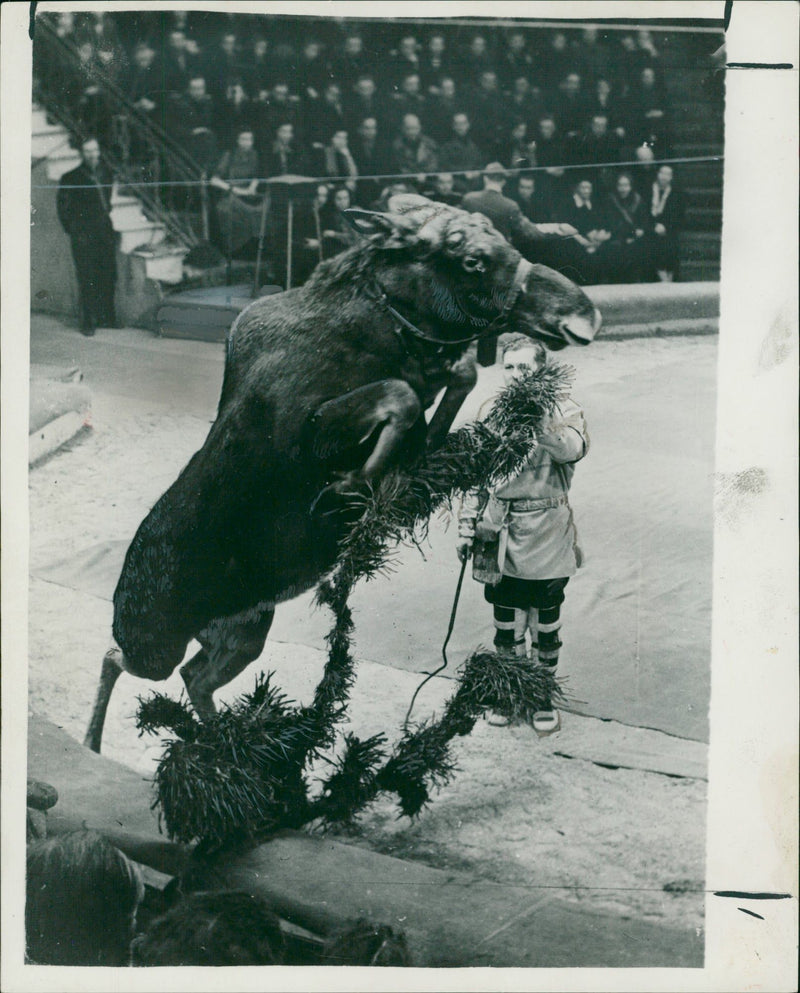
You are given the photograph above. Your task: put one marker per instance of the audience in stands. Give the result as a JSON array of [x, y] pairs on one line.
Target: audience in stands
[[241, 97]]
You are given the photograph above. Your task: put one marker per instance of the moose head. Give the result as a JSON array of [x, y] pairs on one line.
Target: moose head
[[454, 267]]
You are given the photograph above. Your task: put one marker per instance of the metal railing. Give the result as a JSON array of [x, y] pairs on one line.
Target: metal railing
[[158, 156]]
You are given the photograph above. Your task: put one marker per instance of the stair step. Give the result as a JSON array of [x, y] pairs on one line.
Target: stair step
[[45, 143], [695, 149], [58, 165], [145, 236], [704, 196], [703, 218], [700, 245], [166, 268], [699, 270], [128, 216]]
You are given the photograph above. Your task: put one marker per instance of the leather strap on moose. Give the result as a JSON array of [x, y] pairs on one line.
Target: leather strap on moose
[[520, 278]]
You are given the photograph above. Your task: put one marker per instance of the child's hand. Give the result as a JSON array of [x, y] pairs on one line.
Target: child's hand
[[464, 549]]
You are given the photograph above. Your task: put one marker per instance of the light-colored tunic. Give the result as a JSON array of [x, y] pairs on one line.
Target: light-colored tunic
[[538, 538]]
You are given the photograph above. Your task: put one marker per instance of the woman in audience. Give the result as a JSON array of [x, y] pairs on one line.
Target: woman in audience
[[626, 220], [82, 895], [239, 208], [666, 218]]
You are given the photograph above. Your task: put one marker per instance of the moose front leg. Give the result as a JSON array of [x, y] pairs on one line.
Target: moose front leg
[[388, 409], [463, 377]]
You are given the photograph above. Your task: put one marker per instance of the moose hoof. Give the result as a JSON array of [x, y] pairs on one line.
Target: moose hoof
[[347, 486]]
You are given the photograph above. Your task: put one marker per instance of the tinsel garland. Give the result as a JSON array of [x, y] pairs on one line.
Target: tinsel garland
[[242, 774]]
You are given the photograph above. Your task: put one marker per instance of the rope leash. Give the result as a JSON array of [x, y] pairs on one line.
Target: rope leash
[[443, 666]]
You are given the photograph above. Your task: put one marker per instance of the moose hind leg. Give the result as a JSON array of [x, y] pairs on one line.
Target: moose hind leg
[[110, 672], [229, 645]]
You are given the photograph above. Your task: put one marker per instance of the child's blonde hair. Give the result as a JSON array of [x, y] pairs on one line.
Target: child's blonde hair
[[516, 342]]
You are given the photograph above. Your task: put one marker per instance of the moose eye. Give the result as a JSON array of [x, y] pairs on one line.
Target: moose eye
[[473, 264]]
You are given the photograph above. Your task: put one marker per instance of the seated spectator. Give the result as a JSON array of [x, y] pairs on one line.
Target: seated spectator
[[338, 235], [364, 102], [212, 929], [570, 106], [194, 120], [222, 67], [145, 91], [179, 64], [443, 190], [551, 155], [603, 102], [273, 108], [434, 64], [442, 106], [371, 159], [239, 209], [352, 63], [626, 219], [516, 61], [259, 69], [283, 156], [533, 204], [524, 104], [461, 155], [648, 113], [88, 92], [475, 61], [408, 100], [489, 114], [337, 160], [312, 71], [581, 210], [666, 219], [558, 59], [404, 61], [311, 218], [595, 146], [521, 152], [586, 217], [414, 153], [645, 174], [325, 116], [593, 56], [233, 113], [82, 895]]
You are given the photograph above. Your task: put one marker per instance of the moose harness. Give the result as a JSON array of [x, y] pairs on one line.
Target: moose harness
[[517, 284]]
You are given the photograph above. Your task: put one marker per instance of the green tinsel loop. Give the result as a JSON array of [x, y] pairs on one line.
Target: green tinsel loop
[[242, 774]]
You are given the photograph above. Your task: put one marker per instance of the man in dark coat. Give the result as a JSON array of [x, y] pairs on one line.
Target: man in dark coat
[[83, 204], [543, 243]]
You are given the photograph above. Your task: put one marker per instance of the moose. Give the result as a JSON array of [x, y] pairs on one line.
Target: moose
[[324, 388]]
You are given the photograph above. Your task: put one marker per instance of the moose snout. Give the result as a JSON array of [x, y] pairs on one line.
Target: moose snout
[[580, 330]]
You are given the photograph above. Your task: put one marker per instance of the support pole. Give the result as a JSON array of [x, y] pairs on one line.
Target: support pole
[[289, 225], [261, 233]]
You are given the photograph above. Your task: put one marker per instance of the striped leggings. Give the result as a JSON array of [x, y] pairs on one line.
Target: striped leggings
[[521, 606]]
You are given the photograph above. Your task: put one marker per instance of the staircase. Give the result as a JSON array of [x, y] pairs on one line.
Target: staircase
[[698, 130], [140, 235]]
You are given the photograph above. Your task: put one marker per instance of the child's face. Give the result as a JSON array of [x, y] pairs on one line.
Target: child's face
[[519, 363]]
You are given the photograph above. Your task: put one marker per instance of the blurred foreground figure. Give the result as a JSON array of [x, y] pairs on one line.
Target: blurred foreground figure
[[82, 895]]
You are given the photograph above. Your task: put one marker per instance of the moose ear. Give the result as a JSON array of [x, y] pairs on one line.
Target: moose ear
[[385, 230]]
